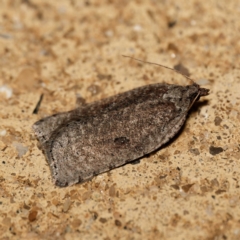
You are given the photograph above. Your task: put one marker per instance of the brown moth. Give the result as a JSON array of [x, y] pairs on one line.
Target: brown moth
[[109, 133]]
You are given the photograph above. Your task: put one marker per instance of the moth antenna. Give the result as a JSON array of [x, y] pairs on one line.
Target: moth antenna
[[160, 65]]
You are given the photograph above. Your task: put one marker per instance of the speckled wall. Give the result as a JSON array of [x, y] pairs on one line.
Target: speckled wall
[[189, 189]]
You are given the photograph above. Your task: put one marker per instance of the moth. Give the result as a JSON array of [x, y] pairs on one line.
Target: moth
[[109, 133]]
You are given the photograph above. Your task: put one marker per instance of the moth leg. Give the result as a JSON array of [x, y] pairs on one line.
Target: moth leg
[[80, 101]]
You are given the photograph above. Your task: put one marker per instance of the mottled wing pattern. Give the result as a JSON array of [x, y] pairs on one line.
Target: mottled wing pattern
[[109, 133]]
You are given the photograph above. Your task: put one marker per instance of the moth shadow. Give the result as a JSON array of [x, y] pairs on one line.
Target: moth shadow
[[197, 105], [195, 108]]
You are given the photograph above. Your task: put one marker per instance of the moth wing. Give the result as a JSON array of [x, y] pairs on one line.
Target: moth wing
[[87, 146], [44, 127]]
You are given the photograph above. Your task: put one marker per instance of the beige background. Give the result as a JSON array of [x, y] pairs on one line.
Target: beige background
[[64, 48]]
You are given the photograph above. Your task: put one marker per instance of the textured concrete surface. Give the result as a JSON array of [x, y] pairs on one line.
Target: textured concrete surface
[[187, 190]]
